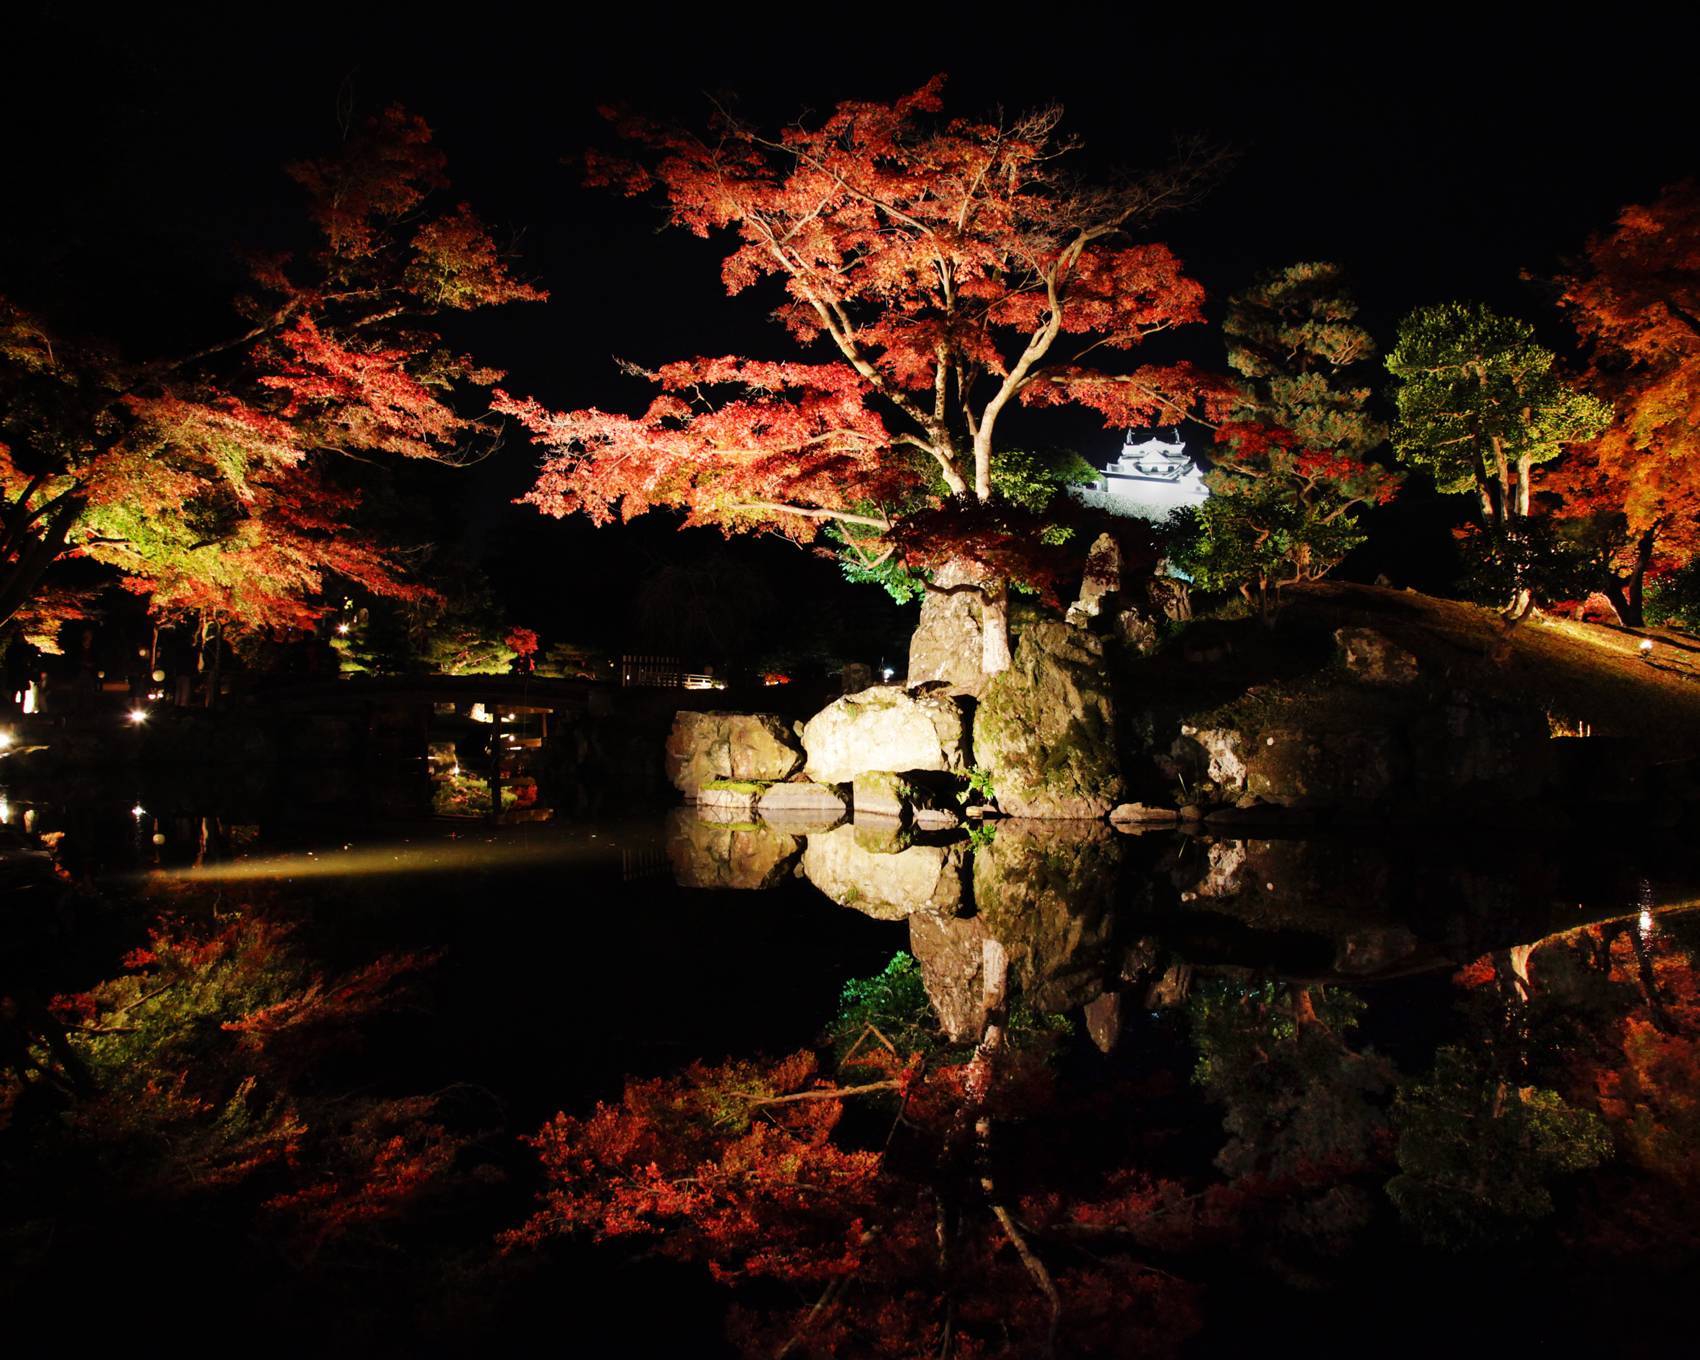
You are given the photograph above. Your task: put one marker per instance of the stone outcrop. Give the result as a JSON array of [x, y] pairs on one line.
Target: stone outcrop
[[1358, 747], [1101, 583], [709, 854], [883, 876], [888, 729], [1374, 658], [948, 640], [703, 747], [1045, 728]]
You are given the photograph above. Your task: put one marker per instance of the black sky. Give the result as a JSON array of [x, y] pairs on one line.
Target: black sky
[[1435, 154]]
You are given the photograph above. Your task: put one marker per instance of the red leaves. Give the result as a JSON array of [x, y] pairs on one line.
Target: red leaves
[[211, 489], [947, 267], [1636, 304]]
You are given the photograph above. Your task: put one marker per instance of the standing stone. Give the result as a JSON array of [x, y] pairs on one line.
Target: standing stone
[[885, 728], [1103, 579], [1046, 728], [948, 638]]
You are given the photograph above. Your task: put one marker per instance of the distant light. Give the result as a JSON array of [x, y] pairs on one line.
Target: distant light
[[137, 715], [342, 628], [1645, 923], [887, 673], [138, 812], [5, 741]]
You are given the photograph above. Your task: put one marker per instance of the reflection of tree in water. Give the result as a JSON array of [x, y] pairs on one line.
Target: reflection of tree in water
[[1305, 1112], [873, 1191]]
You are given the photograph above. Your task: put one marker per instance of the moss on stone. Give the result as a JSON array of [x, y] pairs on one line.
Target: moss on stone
[[750, 786]]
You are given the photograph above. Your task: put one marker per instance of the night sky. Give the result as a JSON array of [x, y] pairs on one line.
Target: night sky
[[1435, 159]]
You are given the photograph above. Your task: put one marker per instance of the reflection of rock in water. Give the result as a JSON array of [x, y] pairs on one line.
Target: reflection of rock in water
[[1048, 893], [706, 854], [949, 950], [875, 870]]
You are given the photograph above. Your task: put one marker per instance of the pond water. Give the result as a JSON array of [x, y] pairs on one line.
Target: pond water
[[274, 1073]]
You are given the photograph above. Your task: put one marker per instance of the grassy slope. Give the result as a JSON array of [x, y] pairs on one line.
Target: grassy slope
[[1579, 672]]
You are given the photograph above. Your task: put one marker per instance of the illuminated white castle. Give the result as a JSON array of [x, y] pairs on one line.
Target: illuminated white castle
[[1151, 478]]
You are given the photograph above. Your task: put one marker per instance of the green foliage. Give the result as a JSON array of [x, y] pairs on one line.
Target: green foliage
[[1293, 335], [1290, 470], [1473, 387], [1477, 1156], [1295, 1093], [1033, 481], [573, 661], [1674, 598], [979, 786], [894, 1002], [867, 565], [1551, 559]]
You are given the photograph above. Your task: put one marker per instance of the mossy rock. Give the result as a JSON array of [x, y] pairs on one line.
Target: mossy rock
[[1046, 729]]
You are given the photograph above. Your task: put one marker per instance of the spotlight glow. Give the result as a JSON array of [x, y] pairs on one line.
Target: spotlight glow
[[137, 715]]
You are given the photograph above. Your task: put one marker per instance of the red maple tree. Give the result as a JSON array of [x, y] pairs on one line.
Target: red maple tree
[[1636, 302], [934, 273], [206, 480]]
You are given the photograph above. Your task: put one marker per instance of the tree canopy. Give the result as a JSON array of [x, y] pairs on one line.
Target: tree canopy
[[209, 480], [936, 273]]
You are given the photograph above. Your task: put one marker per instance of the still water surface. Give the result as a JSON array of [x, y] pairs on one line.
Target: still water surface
[[1408, 1088]]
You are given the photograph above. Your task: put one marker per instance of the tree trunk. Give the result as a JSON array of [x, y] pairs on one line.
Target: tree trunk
[[214, 638], [994, 628], [1502, 476], [1523, 487], [29, 555], [1634, 615]]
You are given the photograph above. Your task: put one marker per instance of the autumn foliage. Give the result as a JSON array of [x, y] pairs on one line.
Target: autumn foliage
[[220, 480], [934, 273], [1635, 302]]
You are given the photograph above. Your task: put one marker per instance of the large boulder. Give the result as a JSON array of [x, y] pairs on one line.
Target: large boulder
[[711, 854], [948, 640], [704, 747], [1046, 729], [883, 876], [885, 728]]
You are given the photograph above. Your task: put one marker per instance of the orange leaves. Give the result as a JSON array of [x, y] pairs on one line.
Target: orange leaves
[[1637, 304], [721, 435], [946, 266]]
